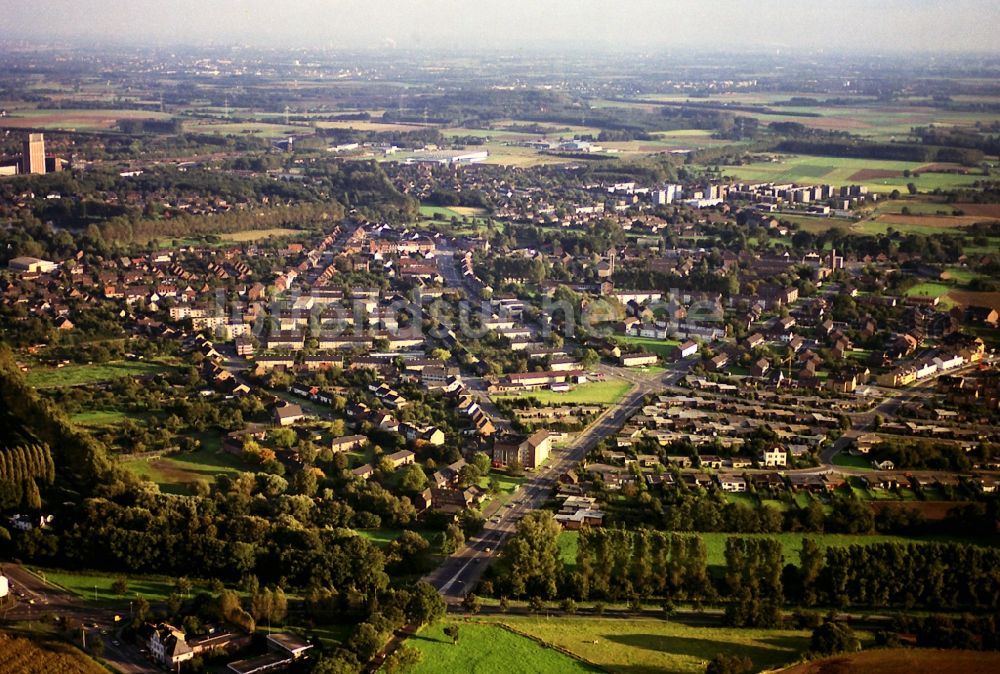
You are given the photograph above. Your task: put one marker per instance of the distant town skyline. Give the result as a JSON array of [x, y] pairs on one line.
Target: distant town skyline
[[887, 26]]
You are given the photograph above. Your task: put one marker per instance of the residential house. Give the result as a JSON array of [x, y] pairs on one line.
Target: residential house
[[530, 451], [775, 457], [287, 414], [348, 443], [168, 645]]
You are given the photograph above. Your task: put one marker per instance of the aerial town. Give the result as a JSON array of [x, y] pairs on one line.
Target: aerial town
[[548, 364]]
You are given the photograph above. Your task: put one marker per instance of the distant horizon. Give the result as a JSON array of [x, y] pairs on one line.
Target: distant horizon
[[889, 27]]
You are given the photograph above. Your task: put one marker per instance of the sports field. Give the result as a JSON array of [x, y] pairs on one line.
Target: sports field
[[661, 347], [258, 234], [593, 393]]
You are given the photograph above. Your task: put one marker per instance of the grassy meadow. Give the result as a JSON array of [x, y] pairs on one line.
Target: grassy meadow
[[650, 646], [76, 375], [487, 649]]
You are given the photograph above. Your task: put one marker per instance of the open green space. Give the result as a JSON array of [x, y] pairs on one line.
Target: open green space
[[648, 646], [75, 375], [449, 212], [85, 583], [661, 347], [175, 473], [592, 393], [97, 418], [258, 234], [852, 461], [487, 649], [927, 289]]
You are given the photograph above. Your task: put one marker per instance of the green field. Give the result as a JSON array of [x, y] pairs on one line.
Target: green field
[[650, 646], [487, 649], [175, 473], [79, 119], [593, 393], [852, 461], [83, 584], [97, 418], [75, 375], [810, 169], [928, 289], [661, 347]]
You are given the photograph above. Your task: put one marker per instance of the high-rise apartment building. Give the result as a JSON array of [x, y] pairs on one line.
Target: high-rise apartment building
[[33, 158]]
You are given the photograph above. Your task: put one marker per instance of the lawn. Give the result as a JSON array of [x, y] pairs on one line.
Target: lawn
[[644, 646], [661, 347], [928, 289], [175, 473], [852, 461], [82, 584], [508, 484], [593, 393], [75, 375], [385, 535], [96, 418], [487, 649]]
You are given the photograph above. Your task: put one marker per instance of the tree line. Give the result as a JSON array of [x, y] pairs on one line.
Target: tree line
[[755, 582]]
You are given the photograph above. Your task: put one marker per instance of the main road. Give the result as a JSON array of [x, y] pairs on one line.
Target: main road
[[459, 574], [37, 599]]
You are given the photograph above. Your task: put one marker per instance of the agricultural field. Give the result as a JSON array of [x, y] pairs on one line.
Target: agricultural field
[[648, 646], [878, 175], [77, 375], [866, 117], [80, 120], [175, 473], [487, 649], [369, 125], [19, 653], [661, 347], [227, 128], [903, 661], [593, 393]]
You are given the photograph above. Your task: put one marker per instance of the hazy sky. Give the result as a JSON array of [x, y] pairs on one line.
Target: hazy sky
[[834, 25]]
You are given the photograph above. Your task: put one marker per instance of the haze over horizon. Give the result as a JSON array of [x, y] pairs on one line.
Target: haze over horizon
[[889, 26]]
